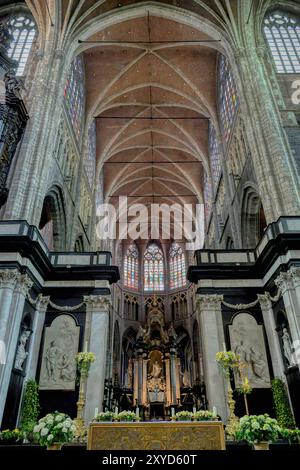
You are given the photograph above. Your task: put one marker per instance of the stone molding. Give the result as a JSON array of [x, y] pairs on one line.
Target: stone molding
[[98, 302]]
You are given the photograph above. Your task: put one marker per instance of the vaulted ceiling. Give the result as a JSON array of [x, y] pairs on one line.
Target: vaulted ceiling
[[151, 85]]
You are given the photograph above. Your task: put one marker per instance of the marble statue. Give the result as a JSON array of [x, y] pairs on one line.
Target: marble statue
[[156, 370], [58, 369], [287, 347], [21, 350]]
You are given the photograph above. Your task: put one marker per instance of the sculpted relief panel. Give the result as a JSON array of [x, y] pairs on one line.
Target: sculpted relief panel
[[58, 370], [247, 340]]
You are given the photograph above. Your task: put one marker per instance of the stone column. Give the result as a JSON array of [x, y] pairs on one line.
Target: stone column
[[285, 283], [211, 327], [273, 340], [99, 307], [168, 381], [36, 337], [144, 394], [173, 375], [13, 302], [140, 376]]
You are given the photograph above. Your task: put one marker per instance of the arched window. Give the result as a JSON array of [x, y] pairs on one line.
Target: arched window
[[177, 267], [282, 32], [75, 96], [153, 268], [214, 153], [90, 161], [131, 268], [23, 31], [227, 98]]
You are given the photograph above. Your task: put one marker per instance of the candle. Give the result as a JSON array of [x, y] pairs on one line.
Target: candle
[[172, 411], [96, 412], [224, 347], [85, 346], [137, 411], [116, 410], [194, 409], [214, 410]]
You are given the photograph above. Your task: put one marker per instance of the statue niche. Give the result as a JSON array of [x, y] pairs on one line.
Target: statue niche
[[156, 384]]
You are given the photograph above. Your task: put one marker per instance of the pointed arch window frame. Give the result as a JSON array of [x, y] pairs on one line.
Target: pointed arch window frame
[[281, 30], [131, 268], [177, 267], [228, 100], [153, 269]]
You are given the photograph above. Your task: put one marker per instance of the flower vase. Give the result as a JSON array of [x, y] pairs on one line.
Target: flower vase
[[261, 446], [55, 446]]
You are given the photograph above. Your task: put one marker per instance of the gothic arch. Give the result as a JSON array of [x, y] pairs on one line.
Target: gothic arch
[[253, 220], [53, 220]]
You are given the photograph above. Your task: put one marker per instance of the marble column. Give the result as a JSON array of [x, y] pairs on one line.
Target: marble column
[[140, 376], [212, 333], [273, 340], [99, 307], [285, 282], [173, 375], [144, 394], [168, 381], [36, 337], [13, 303]]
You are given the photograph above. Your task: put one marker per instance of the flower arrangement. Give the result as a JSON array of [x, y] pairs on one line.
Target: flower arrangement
[[257, 428], [105, 416], [227, 360], [183, 416], [11, 436], [84, 361], [30, 407], [54, 428], [205, 415], [127, 416]]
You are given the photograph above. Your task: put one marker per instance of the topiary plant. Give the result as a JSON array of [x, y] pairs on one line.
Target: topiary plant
[[282, 406], [30, 407]]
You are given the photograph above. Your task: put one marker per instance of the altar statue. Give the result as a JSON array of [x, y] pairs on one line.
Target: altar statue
[[156, 370]]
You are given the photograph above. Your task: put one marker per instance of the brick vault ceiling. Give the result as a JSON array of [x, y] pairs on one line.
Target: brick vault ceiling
[[151, 84]]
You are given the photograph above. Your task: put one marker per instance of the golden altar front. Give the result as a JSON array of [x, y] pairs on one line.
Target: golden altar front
[[164, 435]]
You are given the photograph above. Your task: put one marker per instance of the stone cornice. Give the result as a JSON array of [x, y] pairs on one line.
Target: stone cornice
[[98, 302]]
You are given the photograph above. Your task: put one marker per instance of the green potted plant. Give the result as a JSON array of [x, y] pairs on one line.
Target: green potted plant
[[183, 416], [14, 436], [290, 435], [30, 408], [258, 430], [282, 407], [127, 416], [205, 415], [104, 416], [54, 430]]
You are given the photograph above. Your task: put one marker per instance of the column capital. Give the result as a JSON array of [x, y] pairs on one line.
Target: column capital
[[9, 278], [265, 301], [284, 281], [98, 302], [24, 284], [295, 274], [209, 302]]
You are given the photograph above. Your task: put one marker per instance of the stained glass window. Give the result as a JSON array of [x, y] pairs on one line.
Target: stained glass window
[[214, 153], [131, 268], [75, 96], [207, 191], [90, 161], [153, 268], [23, 31], [227, 98], [282, 32], [177, 267]]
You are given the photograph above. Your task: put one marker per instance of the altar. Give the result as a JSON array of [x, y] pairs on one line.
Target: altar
[[165, 435]]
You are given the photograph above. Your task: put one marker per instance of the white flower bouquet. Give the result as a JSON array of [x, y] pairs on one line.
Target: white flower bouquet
[[54, 428]]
